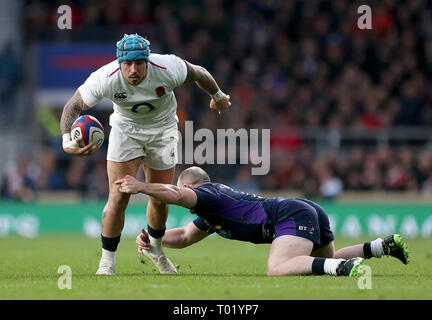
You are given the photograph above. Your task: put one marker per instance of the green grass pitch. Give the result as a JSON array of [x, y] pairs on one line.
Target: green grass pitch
[[210, 270]]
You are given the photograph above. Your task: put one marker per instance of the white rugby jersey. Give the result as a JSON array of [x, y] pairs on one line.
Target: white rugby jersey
[[149, 104]]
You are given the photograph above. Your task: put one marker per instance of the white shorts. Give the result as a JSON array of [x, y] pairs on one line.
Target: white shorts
[[158, 146]]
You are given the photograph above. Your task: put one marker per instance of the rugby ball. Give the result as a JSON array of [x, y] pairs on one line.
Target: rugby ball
[[89, 129]]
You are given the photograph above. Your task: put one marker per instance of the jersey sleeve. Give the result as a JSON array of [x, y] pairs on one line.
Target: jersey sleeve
[[207, 198], [178, 71], [203, 225], [93, 89]]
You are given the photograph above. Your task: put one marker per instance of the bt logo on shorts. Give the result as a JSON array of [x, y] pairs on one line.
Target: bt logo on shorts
[[310, 230], [120, 96]]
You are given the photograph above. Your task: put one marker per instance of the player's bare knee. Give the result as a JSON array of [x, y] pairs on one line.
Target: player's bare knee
[[116, 205], [273, 271], [159, 205], [327, 251], [113, 211]]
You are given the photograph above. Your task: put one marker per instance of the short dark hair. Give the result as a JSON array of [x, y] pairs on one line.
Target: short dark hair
[[194, 176]]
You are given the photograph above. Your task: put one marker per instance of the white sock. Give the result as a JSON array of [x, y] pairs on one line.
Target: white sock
[[330, 265], [376, 248], [156, 244], [108, 255]]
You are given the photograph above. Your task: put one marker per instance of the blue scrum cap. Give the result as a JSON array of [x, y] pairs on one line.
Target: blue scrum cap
[[133, 47]]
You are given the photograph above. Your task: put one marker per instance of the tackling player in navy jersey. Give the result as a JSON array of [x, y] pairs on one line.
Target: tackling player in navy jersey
[[298, 229]]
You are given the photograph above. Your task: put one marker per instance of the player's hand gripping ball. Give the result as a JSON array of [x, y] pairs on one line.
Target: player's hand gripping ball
[[88, 129]]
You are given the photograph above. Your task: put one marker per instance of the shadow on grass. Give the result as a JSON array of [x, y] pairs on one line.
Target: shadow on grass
[[143, 274], [127, 275]]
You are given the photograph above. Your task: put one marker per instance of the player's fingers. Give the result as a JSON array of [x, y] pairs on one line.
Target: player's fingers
[[71, 151], [144, 237], [80, 142], [139, 241], [89, 149], [94, 149], [223, 109], [141, 249], [226, 104], [81, 151], [145, 246]]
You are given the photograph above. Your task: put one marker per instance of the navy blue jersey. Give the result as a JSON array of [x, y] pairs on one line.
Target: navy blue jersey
[[234, 214]]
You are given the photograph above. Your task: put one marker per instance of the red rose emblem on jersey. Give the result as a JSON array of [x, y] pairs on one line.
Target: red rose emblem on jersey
[[160, 91]]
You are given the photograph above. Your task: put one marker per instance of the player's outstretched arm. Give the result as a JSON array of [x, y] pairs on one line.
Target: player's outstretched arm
[[167, 193], [206, 82], [71, 112], [176, 238]]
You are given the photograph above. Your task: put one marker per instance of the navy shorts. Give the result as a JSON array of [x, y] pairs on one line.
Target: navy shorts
[[303, 218]]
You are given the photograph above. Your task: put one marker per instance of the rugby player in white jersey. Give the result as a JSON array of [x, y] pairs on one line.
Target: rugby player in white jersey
[[143, 132]]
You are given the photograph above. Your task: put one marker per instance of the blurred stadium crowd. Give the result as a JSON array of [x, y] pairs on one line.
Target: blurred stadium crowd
[[287, 65]]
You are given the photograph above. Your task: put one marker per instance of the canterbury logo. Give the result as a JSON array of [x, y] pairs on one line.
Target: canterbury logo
[[120, 95]]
